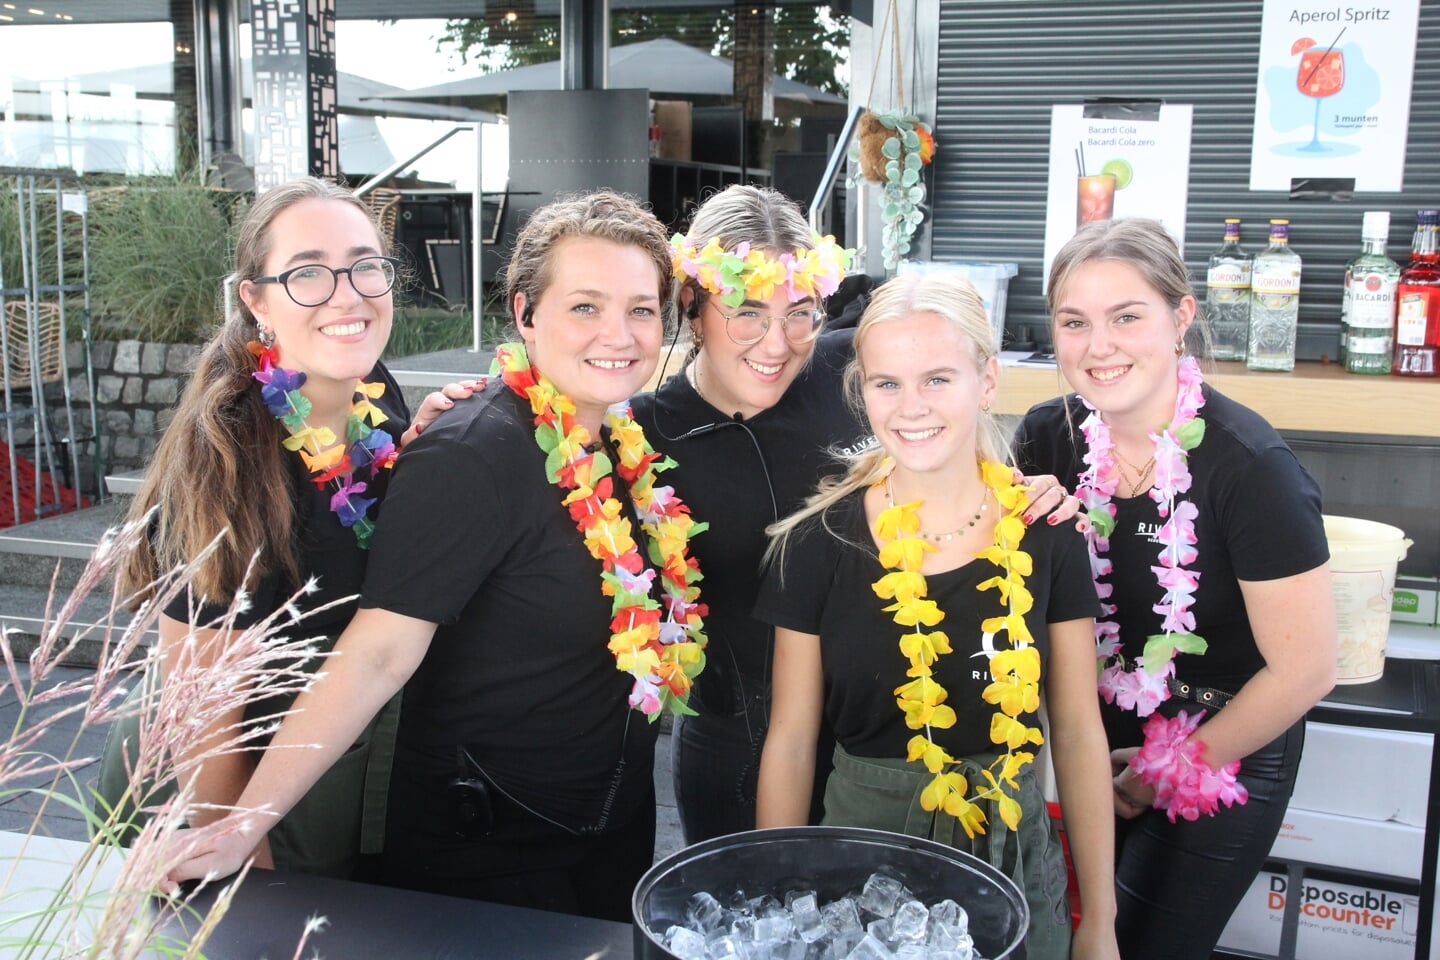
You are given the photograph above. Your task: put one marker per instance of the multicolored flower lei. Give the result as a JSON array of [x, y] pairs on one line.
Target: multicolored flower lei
[[661, 646], [1015, 673], [330, 462], [748, 274], [1145, 686]]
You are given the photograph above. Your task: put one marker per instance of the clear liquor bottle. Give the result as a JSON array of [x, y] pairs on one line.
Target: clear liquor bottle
[[1227, 296], [1369, 305], [1274, 303], [1417, 297]]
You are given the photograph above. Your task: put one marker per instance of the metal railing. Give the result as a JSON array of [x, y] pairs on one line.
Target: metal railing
[[833, 168], [477, 284]]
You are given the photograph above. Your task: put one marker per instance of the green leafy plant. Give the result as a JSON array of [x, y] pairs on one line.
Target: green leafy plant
[[159, 251], [892, 148]]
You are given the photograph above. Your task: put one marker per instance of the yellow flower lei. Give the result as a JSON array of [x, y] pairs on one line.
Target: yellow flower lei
[[660, 645], [1015, 672]]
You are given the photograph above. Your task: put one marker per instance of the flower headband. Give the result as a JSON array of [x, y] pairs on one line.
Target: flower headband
[[745, 274]]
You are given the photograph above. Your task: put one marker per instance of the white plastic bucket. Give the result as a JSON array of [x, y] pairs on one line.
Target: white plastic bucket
[[1363, 557]]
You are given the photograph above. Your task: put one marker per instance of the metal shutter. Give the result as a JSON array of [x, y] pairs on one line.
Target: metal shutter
[[1003, 63]]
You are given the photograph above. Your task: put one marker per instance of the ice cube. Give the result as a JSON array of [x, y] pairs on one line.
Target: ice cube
[[742, 927], [842, 916], [703, 912], [881, 895], [869, 949], [724, 947], [774, 928], [948, 913], [912, 951], [881, 929], [685, 943], [767, 906], [910, 920], [805, 914]]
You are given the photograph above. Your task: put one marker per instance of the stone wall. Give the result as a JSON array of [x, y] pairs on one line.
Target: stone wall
[[136, 386]]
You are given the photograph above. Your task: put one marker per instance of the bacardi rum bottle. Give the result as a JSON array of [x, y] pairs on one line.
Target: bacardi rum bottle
[[1368, 312], [1227, 296], [1274, 303], [1417, 318]]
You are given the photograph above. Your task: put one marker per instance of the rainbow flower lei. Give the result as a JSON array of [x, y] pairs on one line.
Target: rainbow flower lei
[[661, 646], [1015, 672], [330, 462], [1168, 761], [748, 274]]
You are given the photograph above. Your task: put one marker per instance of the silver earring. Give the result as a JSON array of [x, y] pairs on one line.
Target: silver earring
[[265, 335]]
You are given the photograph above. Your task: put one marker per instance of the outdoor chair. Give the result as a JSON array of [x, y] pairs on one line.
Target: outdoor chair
[[16, 371]]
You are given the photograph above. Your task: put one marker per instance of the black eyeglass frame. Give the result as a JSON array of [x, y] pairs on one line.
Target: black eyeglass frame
[[284, 279], [816, 326]]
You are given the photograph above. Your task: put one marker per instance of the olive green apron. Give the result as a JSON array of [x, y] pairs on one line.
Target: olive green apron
[[884, 794], [338, 820]]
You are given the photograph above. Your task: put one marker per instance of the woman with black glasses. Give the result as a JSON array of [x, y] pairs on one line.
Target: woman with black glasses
[[751, 421], [281, 448]]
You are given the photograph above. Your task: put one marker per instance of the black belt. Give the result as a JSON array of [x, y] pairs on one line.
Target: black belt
[[1208, 696]]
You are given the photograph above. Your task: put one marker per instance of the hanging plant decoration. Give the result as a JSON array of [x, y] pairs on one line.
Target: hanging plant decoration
[[891, 148]]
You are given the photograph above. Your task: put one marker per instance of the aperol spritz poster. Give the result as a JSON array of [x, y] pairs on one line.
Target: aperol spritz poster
[[1332, 98]]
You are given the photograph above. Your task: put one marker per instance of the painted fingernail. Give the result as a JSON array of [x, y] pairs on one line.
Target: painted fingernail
[[1052, 520], [1084, 527], [419, 429], [1028, 519]]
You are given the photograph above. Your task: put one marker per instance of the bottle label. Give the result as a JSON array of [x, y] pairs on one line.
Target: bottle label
[[1233, 275], [1379, 346], [1285, 280], [1370, 302], [1410, 319]]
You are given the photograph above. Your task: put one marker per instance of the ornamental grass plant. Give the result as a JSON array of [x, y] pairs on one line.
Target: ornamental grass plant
[[103, 899]]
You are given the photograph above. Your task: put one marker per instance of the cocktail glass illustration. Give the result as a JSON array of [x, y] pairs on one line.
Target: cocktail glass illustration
[[1094, 198], [1321, 74]]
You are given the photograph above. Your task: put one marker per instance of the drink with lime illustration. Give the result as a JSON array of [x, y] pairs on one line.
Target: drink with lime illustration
[[1321, 74], [1095, 194]]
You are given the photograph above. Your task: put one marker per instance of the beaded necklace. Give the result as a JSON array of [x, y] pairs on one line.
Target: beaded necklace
[[1015, 672], [660, 645], [328, 461]]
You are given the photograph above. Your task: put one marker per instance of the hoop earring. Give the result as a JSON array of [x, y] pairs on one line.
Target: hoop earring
[[265, 335], [696, 337]]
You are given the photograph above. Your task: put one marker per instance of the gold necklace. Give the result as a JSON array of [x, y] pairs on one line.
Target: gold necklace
[[1141, 473], [945, 537]]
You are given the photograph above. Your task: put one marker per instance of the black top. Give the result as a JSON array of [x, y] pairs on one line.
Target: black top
[[740, 475], [518, 673], [1259, 519], [327, 550], [829, 566]]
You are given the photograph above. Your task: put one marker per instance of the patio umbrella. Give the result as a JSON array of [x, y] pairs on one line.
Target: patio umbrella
[[665, 67]]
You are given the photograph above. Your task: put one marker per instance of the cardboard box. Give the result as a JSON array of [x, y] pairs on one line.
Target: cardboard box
[[1337, 920], [1363, 772], [1416, 600], [673, 117], [1379, 846]]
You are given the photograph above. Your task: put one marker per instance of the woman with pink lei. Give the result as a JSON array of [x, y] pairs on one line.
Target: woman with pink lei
[[918, 615], [1217, 631], [532, 590]]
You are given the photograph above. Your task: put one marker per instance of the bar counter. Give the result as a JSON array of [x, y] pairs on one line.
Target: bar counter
[[1316, 396]]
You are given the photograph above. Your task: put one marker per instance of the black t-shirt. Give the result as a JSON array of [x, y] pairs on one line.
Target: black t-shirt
[[518, 673], [740, 475], [823, 587], [328, 551], [1259, 519]]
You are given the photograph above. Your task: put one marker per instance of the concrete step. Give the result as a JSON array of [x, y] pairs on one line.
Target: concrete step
[[26, 611], [31, 552]]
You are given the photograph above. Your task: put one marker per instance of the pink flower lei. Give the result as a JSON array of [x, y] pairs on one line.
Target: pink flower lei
[[1143, 686]]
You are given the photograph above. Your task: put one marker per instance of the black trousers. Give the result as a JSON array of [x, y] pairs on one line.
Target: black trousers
[[715, 764], [525, 862], [1177, 883]]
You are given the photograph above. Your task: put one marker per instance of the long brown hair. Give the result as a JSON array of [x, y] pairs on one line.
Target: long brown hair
[[219, 466]]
